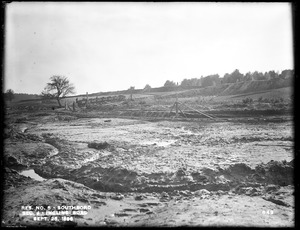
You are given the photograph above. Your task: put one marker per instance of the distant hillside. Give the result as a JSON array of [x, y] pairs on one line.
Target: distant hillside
[[235, 88], [225, 89], [239, 87], [255, 86], [23, 96]]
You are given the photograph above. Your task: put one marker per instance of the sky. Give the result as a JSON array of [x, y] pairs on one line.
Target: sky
[[112, 46]]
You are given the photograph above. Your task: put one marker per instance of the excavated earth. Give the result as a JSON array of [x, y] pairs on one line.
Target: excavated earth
[[141, 173]]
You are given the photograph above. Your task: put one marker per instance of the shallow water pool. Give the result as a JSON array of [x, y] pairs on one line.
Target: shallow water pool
[[31, 173]]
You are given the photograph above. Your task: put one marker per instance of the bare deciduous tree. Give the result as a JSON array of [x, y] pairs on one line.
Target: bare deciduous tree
[[58, 88]]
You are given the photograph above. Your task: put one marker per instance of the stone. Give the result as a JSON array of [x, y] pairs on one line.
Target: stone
[[117, 197], [139, 197], [144, 210], [202, 192], [164, 194]]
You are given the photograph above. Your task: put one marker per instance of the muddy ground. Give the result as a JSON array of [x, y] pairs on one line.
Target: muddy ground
[[135, 172]]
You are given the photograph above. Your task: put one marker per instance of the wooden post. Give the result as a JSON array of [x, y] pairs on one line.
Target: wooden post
[[172, 108], [182, 112]]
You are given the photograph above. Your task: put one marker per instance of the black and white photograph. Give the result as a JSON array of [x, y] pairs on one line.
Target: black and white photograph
[[148, 114]]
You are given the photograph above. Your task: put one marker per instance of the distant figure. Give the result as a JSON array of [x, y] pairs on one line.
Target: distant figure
[[74, 106]]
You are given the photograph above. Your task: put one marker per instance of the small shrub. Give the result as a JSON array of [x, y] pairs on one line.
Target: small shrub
[[274, 101], [247, 100]]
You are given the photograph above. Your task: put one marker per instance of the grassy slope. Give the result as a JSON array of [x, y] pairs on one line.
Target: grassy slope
[[255, 86]]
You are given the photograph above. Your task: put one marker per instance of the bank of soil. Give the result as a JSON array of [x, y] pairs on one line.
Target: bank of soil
[[141, 173]]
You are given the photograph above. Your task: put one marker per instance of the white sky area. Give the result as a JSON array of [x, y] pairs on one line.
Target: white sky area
[[104, 47]]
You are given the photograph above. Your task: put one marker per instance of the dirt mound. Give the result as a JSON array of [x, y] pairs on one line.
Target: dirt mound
[[55, 141], [279, 173], [27, 153], [233, 177], [14, 162], [239, 169], [118, 179], [13, 133], [103, 179], [100, 145], [274, 172]]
